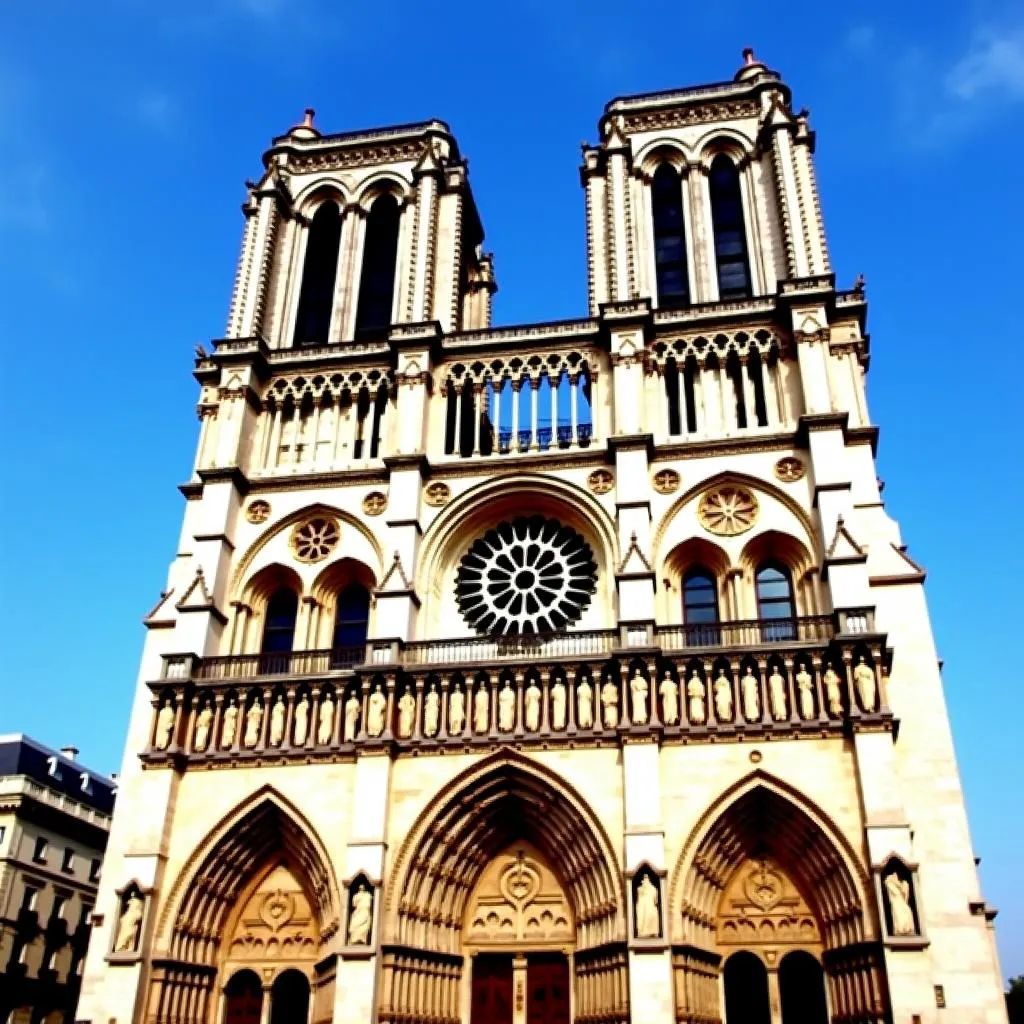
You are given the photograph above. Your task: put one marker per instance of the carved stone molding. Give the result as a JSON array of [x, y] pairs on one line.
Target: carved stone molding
[[315, 539]]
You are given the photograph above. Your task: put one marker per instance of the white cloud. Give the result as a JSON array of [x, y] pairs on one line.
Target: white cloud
[[994, 63]]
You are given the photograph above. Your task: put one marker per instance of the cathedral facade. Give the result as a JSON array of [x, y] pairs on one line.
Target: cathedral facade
[[564, 671]]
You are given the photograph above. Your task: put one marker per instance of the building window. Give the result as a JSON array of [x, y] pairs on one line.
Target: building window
[[39, 853], [57, 910], [94, 869], [68, 862], [29, 897], [730, 232], [279, 628], [380, 256], [669, 238], [351, 617], [775, 603], [700, 607], [319, 270], [3, 832]]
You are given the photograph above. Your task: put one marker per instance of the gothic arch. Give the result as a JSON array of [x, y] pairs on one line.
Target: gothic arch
[[380, 183], [503, 798], [729, 142], [659, 151], [319, 190], [467, 516]]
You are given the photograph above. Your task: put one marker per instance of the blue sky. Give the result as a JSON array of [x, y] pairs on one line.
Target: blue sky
[[128, 128]]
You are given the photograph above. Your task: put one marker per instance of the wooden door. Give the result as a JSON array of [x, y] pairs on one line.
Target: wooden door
[[492, 990], [547, 989]]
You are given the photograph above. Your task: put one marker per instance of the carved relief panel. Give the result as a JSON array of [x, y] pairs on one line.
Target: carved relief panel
[[519, 903]]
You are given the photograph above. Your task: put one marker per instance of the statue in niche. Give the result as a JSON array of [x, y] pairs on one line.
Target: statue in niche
[[777, 693], [805, 687], [646, 910], [301, 729], [723, 697], [639, 690], [126, 939], [506, 708], [203, 723], [898, 891], [352, 710], [361, 917], [833, 691], [610, 704], [431, 711], [253, 721], [751, 691], [481, 709], [456, 711], [277, 716], [164, 726], [669, 700], [406, 713], [325, 728], [230, 727], [585, 704], [864, 678], [376, 711], [695, 695], [531, 706], [559, 703]]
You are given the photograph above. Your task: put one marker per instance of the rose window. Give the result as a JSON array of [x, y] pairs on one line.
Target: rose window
[[728, 511], [529, 575], [315, 540]]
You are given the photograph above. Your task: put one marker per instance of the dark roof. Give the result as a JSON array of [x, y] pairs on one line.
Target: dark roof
[[21, 755]]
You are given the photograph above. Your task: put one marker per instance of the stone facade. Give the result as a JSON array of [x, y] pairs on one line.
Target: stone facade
[[561, 670]]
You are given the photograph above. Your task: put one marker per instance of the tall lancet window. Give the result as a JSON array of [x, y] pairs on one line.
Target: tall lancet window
[[669, 238], [730, 232], [316, 299], [377, 280]]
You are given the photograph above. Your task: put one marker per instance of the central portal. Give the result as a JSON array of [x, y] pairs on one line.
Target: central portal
[[516, 989]]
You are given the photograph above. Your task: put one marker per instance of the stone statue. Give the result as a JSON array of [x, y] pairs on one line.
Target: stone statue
[[277, 715], [559, 703], [898, 891], [126, 939], [507, 708], [777, 692], [164, 726], [456, 712], [481, 709], [833, 691], [864, 678], [378, 704], [584, 704], [695, 694], [203, 723], [326, 727], [805, 687], [610, 704], [301, 728], [253, 721], [751, 691], [639, 690], [406, 714], [431, 711], [531, 706], [352, 711], [227, 733], [723, 697], [669, 700], [645, 910], [361, 917]]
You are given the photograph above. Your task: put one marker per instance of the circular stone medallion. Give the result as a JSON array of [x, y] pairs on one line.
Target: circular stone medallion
[[789, 469], [600, 481], [666, 481], [727, 510], [528, 575], [258, 511], [375, 503], [437, 494]]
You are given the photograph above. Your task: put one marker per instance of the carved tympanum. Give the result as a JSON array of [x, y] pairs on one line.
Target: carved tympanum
[[761, 906]]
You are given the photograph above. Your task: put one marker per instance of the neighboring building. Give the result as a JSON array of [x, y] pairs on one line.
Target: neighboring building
[[567, 669], [54, 819]]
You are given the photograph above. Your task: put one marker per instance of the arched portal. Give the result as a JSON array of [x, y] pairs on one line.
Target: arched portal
[[746, 990], [802, 989], [243, 998], [508, 875], [767, 878], [289, 998]]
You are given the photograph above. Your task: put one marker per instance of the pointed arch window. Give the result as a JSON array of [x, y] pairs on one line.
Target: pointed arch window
[[730, 230], [775, 607], [319, 270], [279, 625], [380, 256], [669, 238], [351, 618], [700, 607]]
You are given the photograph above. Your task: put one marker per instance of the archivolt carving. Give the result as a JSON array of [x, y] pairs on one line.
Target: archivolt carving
[[768, 342]]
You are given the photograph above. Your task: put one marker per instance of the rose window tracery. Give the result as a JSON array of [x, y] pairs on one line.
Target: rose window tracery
[[527, 575], [728, 510], [315, 539]]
